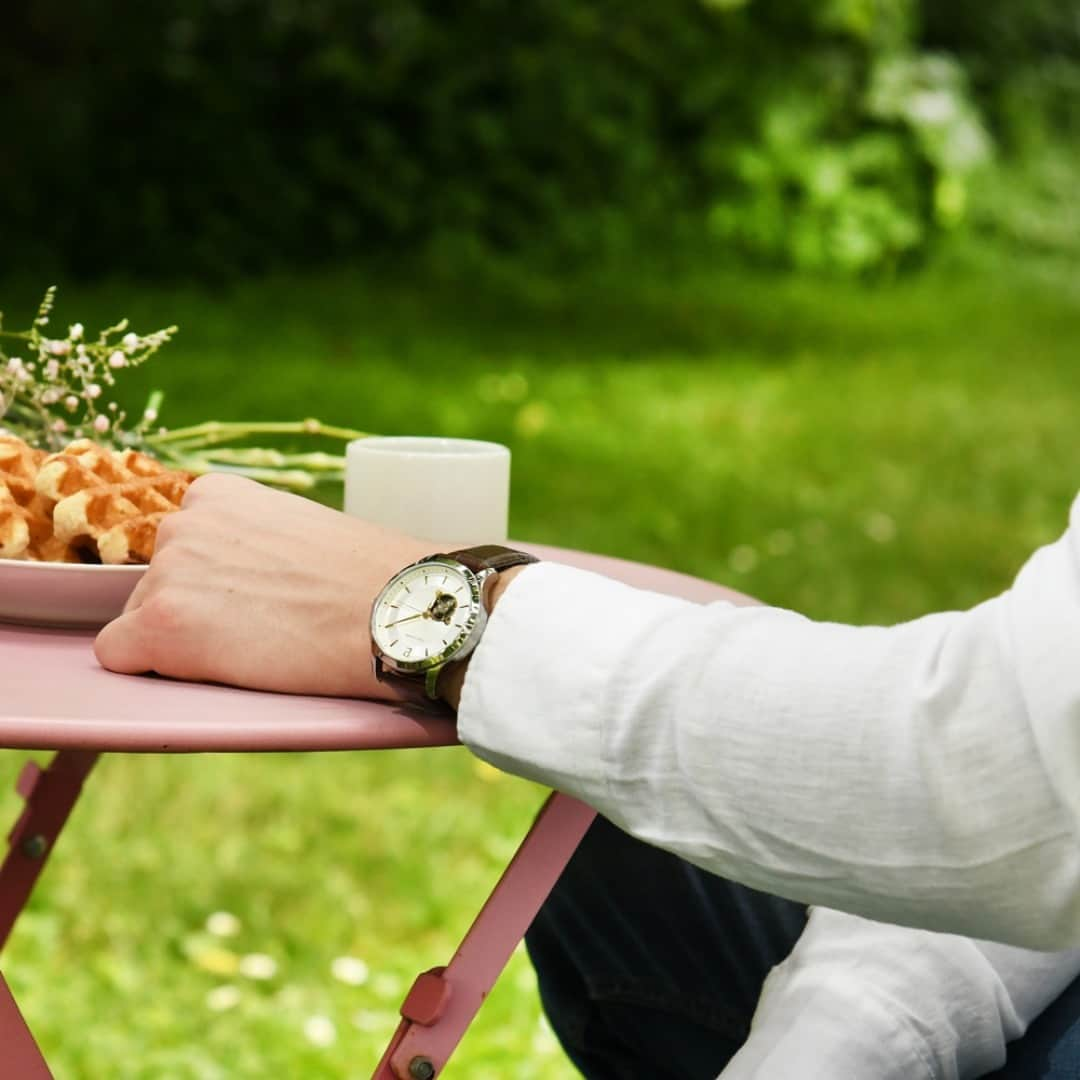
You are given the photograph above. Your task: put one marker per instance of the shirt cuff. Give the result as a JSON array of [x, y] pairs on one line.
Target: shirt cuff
[[550, 659]]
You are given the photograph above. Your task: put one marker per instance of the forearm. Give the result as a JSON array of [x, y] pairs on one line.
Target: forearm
[[899, 773]]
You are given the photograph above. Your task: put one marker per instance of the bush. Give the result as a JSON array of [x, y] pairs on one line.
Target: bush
[[220, 136]]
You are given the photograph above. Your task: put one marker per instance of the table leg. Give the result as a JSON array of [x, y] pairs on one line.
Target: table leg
[[443, 1001], [22, 1058], [50, 795]]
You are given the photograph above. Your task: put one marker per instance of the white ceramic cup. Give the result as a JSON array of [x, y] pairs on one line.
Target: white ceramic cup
[[435, 489]]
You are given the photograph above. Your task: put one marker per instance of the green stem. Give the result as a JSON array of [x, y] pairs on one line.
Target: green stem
[[275, 459], [294, 479], [214, 431]]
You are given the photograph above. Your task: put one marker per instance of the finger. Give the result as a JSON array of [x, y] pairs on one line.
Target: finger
[[121, 645], [139, 593], [214, 484]]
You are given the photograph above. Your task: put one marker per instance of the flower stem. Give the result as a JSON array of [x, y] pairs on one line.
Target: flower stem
[[215, 431], [274, 459]]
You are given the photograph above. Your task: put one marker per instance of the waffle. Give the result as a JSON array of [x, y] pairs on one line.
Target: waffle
[[108, 504], [85, 504], [26, 530]]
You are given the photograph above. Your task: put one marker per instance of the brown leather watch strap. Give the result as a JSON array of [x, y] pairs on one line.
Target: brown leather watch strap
[[491, 557]]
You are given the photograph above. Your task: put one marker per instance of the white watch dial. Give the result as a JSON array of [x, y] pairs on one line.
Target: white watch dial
[[425, 613]]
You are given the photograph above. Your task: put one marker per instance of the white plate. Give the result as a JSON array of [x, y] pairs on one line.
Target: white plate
[[64, 594]]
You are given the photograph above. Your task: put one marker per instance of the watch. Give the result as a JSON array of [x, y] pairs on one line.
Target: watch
[[432, 614]]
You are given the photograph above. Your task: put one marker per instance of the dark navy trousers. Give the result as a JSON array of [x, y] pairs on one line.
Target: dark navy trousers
[[651, 968]]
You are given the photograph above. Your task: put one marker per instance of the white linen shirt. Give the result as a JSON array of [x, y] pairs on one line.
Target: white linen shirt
[[925, 774]]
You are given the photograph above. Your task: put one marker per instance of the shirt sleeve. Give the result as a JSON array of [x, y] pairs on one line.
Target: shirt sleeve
[[858, 998], [926, 774]]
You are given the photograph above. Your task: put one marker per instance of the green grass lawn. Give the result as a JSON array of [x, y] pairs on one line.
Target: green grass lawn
[[864, 453]]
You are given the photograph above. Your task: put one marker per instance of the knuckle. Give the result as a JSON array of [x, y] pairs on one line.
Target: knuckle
[[209, 485], [163, 613], [166, 534]]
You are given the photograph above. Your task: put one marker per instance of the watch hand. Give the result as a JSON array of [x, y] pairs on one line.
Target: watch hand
[[421, 615]]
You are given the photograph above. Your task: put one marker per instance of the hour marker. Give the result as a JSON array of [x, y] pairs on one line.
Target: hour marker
[[394, 642]]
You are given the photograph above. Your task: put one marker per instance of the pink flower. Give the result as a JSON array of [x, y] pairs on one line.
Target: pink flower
[[93, 391], [101, 424], [71, 403], [59, 425], [129, 341], [59, 348], [117, 359]]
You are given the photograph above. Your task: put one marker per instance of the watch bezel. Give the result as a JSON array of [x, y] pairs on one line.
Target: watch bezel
[[462, 646]]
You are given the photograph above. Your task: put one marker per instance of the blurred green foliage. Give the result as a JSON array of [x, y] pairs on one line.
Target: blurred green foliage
[[222, 136], [855, 452]]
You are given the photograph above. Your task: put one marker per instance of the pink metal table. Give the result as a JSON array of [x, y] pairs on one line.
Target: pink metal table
[[56, 697]]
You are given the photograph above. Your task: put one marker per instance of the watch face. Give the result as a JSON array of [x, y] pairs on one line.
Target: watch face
[[425, 614]]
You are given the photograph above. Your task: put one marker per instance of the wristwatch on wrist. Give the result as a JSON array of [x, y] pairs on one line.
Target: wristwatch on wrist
[[432, 614]]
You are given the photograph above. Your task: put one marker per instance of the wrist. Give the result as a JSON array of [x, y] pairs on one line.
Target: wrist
[[452, 679]]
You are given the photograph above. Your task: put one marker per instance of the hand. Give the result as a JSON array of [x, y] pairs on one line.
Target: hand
[[257, 588]]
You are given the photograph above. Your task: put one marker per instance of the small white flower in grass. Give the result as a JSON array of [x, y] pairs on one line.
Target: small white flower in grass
[[130, 341], [71, 403], [880, 527], [258, 966], [117, 359], [223, 924], [222, 998], [743, 559], [80, 351], [15, 364], [59, 348], [50, 397], [52, 369], [93, 391], [350, 970], [374, 1020], [320, 1031], [59, 425], [75, 331], [101, 424], [387, 985]]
